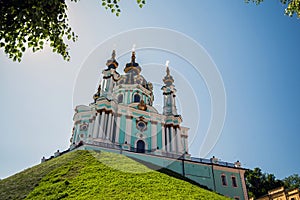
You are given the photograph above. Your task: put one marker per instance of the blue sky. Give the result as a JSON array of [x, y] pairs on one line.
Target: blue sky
[[254, 48]]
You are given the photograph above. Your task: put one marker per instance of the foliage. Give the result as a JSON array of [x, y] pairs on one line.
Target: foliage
[[293, 6], [259, 183], [92, 175], [32, 24], [114, 6], [292, 182]]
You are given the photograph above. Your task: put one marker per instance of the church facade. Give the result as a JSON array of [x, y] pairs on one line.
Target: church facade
[[122, 119], [123, 114]]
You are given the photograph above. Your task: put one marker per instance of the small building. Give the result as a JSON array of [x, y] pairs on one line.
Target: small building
[[122, 119], [281, 194]]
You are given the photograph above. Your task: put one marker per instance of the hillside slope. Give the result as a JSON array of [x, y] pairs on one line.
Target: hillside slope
[[102, 175]]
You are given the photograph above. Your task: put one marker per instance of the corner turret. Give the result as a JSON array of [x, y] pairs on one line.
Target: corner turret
[[169, 93]]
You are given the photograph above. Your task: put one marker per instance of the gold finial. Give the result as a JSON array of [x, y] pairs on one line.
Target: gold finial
[[168, 79], [113, 55], [168, 70], [133, 56]]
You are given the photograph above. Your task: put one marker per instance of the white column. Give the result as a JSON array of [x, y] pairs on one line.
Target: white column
[[101, 124], [117, 129], [179, 141], [128, 129], [111, 86], [176, 140], [107, 134], [105, 126], [126, 97], [125, 94], [173, 139], [129, 94], [186, 144], [110, 136], [96, 125], [163, 137], [90, 128], [168, 139], [154, 134]]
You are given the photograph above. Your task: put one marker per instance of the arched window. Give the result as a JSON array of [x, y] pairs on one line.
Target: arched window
[[224, 181], [120, 98], [136, 98], [234, 183]]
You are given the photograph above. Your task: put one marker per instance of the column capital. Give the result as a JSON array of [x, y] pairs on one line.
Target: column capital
[[154, 122]]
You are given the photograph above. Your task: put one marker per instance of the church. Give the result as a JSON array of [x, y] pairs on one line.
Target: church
[[122, 119], [123, 114]]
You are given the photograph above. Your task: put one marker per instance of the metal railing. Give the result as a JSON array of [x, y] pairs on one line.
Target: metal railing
[[161, 154], [148, 152]]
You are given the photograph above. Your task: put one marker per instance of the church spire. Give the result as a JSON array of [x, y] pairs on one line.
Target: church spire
[[110, 76], [112, 63], [133, 67], [133, 54], [169, 93], [168, 79]]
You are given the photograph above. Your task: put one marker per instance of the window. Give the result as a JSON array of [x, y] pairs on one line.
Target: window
[[141, 126], [104, 84], [233, 179], [236, 198], [120, 98], [83, 127], [224, 181], [136, 98]]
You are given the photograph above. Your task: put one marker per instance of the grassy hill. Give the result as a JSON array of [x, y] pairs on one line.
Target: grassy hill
[[102, 175]]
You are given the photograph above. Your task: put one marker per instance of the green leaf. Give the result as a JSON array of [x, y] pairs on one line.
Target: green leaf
[[40, 21]]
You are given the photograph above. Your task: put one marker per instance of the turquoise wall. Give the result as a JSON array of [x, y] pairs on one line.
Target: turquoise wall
[[122, 129], [159, 136], [133, 133], [202, 173], [148, 132], [228, 190]]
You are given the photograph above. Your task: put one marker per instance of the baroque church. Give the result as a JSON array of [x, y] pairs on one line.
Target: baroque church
[[123, 114], [122, 119]]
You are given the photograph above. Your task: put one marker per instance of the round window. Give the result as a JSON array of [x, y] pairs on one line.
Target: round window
[[141, 125]]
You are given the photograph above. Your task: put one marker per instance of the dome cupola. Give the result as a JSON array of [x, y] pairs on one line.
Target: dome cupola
[[112, 63], [132, 67]]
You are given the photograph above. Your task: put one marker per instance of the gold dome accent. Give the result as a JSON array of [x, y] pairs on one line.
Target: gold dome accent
[[142, 106]]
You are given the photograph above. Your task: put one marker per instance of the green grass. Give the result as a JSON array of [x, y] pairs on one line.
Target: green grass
[[102, 175]]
